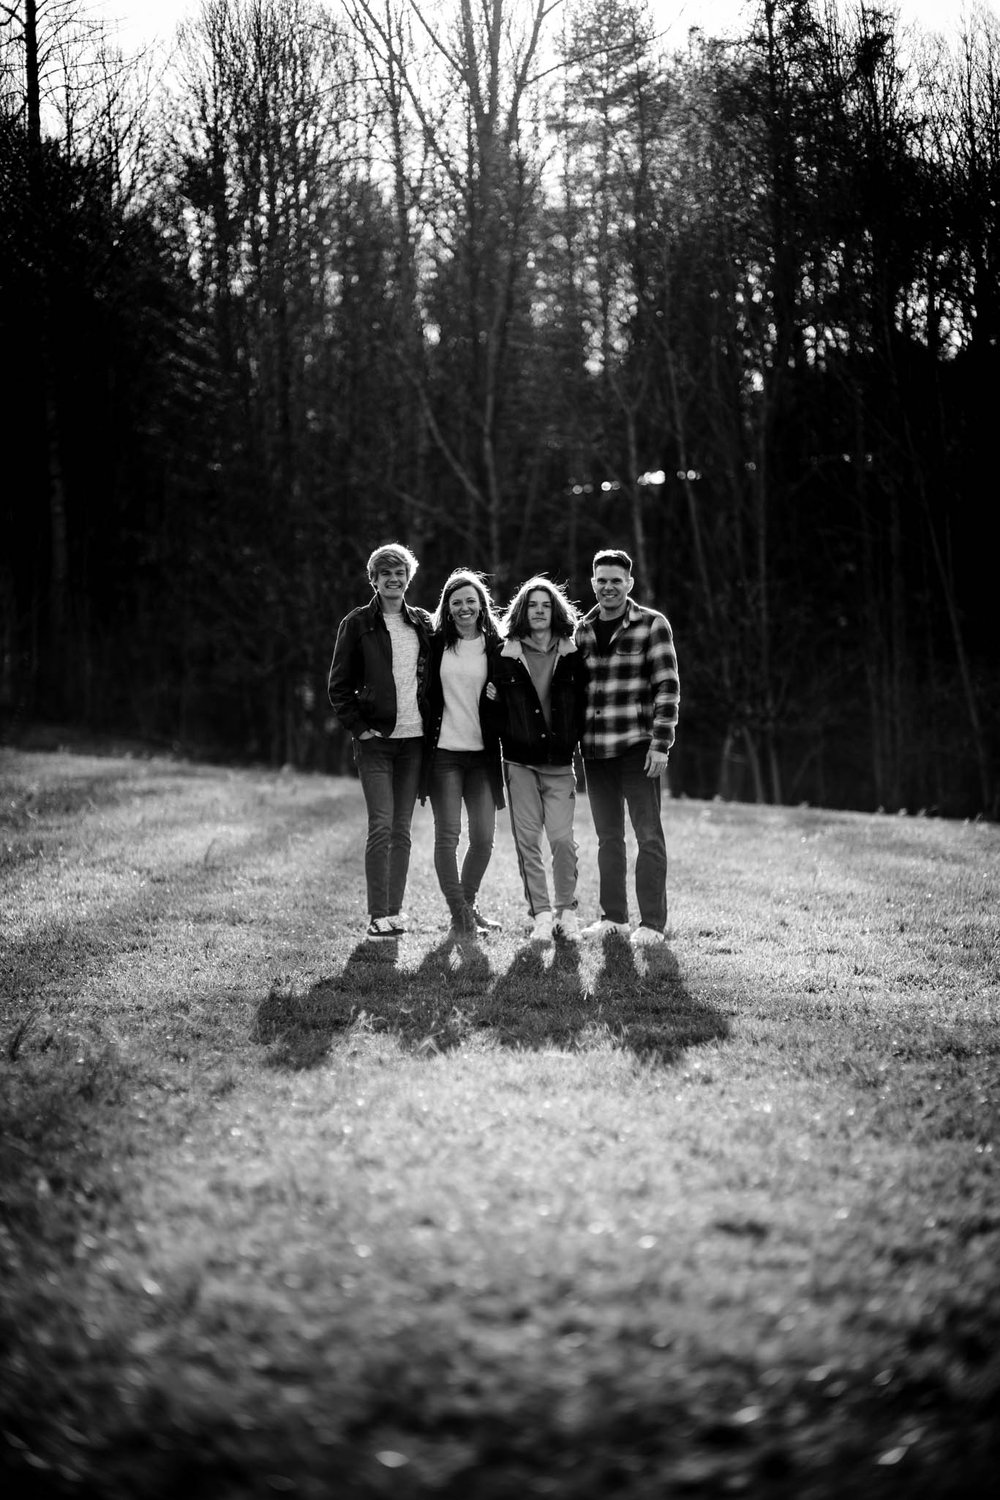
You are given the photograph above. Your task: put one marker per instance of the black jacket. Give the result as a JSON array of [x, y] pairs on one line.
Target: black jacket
[[435, 713], [517, 712], [361, 686]]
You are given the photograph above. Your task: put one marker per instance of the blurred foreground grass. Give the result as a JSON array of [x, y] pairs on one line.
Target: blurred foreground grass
[[283, 1213]]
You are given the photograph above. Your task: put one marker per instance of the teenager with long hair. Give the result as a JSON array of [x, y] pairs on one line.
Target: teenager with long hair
[[538, 699]]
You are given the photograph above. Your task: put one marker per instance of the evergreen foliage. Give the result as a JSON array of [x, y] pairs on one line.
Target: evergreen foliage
[[510, 284]]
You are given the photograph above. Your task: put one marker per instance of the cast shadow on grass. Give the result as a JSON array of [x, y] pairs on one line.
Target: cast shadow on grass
[[643, 1005], [541, 1000]]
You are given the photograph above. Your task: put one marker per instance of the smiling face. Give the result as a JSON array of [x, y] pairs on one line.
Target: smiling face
[[390, 583], [612, 585], [465, 607], [538, 608]]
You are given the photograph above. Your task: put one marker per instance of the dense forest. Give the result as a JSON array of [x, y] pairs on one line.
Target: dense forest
[[508, 280]]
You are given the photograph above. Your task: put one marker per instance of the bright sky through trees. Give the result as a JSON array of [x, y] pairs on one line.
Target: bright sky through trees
[[143, 21]]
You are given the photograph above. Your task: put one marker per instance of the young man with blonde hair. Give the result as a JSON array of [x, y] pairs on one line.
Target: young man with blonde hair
[[377, 685]]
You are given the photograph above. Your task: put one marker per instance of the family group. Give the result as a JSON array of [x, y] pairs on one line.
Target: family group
[[476, 710]]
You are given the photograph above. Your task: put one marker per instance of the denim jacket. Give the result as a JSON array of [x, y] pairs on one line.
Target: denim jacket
[[517, 712]]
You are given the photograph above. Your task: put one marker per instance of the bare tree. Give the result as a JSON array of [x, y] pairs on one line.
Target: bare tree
[[455, 79]]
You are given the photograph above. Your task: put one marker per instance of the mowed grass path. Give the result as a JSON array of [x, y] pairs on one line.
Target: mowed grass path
[[283, 1214]]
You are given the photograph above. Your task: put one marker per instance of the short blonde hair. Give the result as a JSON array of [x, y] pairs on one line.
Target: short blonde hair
[[393, 553]]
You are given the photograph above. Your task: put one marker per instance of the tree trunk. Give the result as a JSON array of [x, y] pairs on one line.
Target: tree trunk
[[59, 666]]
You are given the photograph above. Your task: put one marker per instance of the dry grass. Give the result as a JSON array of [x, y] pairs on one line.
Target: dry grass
[[284, 1214]]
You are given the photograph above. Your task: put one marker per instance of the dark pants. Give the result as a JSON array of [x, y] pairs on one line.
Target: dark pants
[[460, 777], [611, 785], [389, 771]]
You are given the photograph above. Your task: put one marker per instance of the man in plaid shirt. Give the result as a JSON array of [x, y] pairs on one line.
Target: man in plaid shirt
[[632, 699]]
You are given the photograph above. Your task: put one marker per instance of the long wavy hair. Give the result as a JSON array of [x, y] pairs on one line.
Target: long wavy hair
[[487, 624], [565, 614]]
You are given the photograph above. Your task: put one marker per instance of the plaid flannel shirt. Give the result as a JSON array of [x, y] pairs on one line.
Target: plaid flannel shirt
[[634, 691]]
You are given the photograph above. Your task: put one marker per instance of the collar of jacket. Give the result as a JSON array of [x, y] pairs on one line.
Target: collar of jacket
[[514, 650], [375, 612], [632, 613]]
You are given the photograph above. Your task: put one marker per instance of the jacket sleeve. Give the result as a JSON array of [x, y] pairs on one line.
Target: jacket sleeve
[[581, 677], [493, 713], [665, 684], [343, 679], [491, 735]]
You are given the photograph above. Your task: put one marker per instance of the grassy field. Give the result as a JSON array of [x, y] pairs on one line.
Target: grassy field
[[287, 1215]]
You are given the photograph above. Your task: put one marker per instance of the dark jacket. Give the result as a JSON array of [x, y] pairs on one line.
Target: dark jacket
[[361, 686], [517, 712], [435, 714]]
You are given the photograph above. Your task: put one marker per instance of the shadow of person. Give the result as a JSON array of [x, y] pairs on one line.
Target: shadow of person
[[299, 1027], [424, 1007], [641, 996], [444, 994], [640, 999], [539, 1000]]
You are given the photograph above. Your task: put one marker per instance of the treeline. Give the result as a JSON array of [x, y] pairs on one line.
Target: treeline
[[509, 281]]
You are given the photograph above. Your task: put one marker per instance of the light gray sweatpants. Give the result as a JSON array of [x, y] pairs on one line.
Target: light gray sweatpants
[[543, 798]]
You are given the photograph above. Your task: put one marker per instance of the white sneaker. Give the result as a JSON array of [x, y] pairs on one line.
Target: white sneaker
[[601, 928], [646, 937], [542, 930], [566, 925], [381, 927]]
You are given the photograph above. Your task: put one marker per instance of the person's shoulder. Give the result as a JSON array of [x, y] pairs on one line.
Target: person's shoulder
[[648, 615], [357, 616]]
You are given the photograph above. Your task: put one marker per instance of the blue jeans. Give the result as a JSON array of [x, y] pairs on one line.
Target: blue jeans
[[389, 772], [461, 777], [611, 785]]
